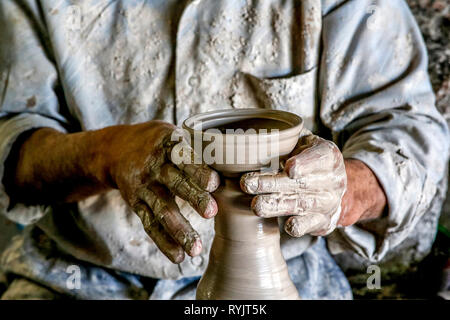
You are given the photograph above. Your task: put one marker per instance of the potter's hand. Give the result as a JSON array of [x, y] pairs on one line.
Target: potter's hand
[[309, 189], [148, 180], [55, 167]]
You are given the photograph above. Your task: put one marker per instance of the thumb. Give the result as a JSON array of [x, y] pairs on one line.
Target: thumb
[[298, 226]]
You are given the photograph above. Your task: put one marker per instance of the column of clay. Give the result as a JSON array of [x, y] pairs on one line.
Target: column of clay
[[245, 259]]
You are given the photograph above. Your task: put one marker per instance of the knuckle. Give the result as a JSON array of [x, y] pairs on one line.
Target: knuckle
[[149, 223], [153, 163], [201, 199], [162, 213], [301, 182], [152, 224], [178, 182]]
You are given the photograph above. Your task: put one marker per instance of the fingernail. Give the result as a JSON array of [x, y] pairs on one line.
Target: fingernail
[[294, 229], [298, 226], [212, 182], [260, 206], [209, 210], [190, 241], [249, 183], [177, 257], [194, 248]]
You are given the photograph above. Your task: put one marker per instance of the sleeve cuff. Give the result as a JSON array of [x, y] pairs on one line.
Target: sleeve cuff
[[408, 191], [10, 130]]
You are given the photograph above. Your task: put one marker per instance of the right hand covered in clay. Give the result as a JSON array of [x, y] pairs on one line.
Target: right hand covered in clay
[[309, 189], [140, 167]]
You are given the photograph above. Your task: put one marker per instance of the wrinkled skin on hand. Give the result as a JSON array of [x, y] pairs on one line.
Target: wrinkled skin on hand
[[141, 169], [309, 189]]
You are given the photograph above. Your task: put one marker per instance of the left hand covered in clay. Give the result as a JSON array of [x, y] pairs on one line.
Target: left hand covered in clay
[[309, 189]]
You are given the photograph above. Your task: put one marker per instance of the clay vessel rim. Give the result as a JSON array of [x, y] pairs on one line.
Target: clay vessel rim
[[294, 121]]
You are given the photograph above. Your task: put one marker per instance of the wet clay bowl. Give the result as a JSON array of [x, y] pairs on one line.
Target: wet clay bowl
[[256, 149]]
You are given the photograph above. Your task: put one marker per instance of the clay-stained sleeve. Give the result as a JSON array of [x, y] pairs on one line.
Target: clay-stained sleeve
[[28, 79], [377, 100]]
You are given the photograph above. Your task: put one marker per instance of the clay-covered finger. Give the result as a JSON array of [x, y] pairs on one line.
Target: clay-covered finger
[[205, 177], [259, 183], [321, 157], [298, 226], [155, 231], [277, 205], [166, 212], [181, 185], [183, 156]]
